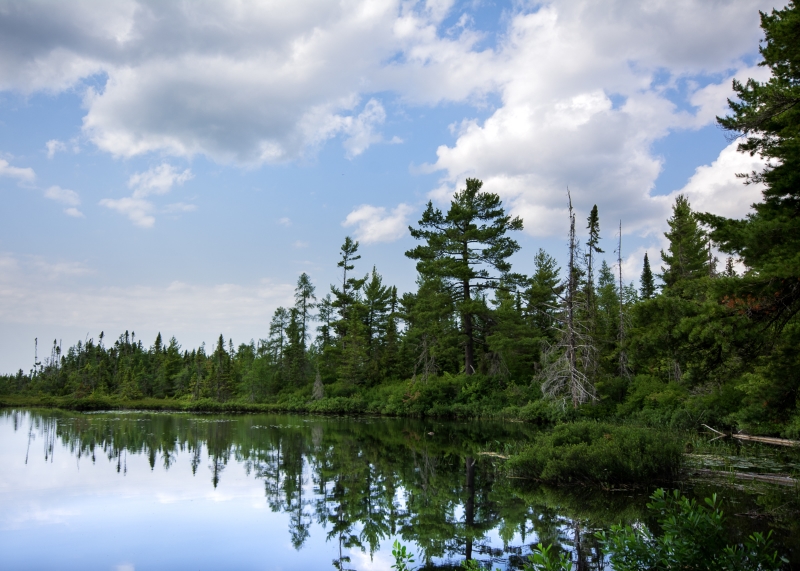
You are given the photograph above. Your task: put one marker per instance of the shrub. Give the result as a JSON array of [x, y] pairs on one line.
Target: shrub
[[598, 453], [692, 538]]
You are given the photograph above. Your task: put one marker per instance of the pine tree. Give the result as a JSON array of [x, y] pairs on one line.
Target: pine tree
[[463, 247], [767, 242], [646, 282]]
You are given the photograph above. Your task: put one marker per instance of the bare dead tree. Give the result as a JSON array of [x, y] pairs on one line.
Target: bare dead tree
[[574, 354], [624, 371], [426, 360], [318, 392]]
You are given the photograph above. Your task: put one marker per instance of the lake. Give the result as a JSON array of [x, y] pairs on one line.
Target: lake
[[136, 490]]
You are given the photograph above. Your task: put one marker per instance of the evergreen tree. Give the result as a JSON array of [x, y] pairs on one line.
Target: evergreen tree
[[592, 248], [541, 296], [646, 282], [687, 256], [462, 247], [277, 334], [304, 303], [767, 241]]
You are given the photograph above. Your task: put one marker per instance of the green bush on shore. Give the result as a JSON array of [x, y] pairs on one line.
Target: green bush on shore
[[598, 453]]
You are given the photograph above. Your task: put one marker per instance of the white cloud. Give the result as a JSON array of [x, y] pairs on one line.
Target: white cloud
[[65, 196], [246, 82], [21, 174], [360, 129], [301, 244], [584, 91], [34, 291], [138, 210], [715, 188], [53, 146], [285, 221], [374, 224], [155, 181]]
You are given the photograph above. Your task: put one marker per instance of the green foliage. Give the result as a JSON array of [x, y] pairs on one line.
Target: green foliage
[[546, 559], [692, 538], [463, 248], [402, 557], [597, 453], [647, 284], [687, 256]]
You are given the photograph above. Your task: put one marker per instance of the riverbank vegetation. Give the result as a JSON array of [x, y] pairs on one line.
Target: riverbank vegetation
[[698, 341]]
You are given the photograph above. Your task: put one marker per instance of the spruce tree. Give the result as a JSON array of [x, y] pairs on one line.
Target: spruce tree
[[592, 248], [687, 255], [646, 282], [304, 299]]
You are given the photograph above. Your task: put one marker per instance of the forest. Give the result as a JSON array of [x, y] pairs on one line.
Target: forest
[[700, 340]]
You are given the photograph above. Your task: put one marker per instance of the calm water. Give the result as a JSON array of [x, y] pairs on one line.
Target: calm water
[[124, 491]]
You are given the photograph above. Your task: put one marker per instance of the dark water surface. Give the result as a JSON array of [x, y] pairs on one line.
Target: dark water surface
[[136, 491]]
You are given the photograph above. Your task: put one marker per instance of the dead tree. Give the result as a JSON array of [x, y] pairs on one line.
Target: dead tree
[[574, 354], [624, 371]]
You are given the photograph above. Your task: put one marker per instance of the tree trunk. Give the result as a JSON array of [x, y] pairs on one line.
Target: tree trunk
[[469, 359]]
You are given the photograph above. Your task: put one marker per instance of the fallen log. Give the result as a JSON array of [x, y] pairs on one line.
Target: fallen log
[[748, 438], [767, 440], [771, 478]]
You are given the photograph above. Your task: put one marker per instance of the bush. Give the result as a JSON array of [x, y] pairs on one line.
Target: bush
[[692, 539], [545, 413], [598, 453]]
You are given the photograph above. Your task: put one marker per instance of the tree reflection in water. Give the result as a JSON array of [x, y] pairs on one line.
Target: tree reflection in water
[[364, 481]]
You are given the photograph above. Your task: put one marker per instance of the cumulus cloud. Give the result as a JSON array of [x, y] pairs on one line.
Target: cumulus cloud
[[375, 224], [245, 82], [586, 89], [715, 188], [21, 174], [65, 196], [155, 181], [580, 90]]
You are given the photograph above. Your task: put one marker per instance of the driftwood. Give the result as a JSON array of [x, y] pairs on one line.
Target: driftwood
[[764, 439], [773, 479]]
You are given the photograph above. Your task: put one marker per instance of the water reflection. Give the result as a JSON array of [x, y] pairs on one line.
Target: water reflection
[[361, 482], [358, 482]]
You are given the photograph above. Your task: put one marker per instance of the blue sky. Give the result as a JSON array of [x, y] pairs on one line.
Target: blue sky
[[174, 167]]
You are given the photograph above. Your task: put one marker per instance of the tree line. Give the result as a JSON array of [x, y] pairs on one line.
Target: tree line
[[696, 342]]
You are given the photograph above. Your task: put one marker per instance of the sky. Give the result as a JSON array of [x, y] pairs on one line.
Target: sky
[[173, 167]]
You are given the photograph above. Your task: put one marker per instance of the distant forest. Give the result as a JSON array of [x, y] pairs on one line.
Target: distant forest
[[697, 342]]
